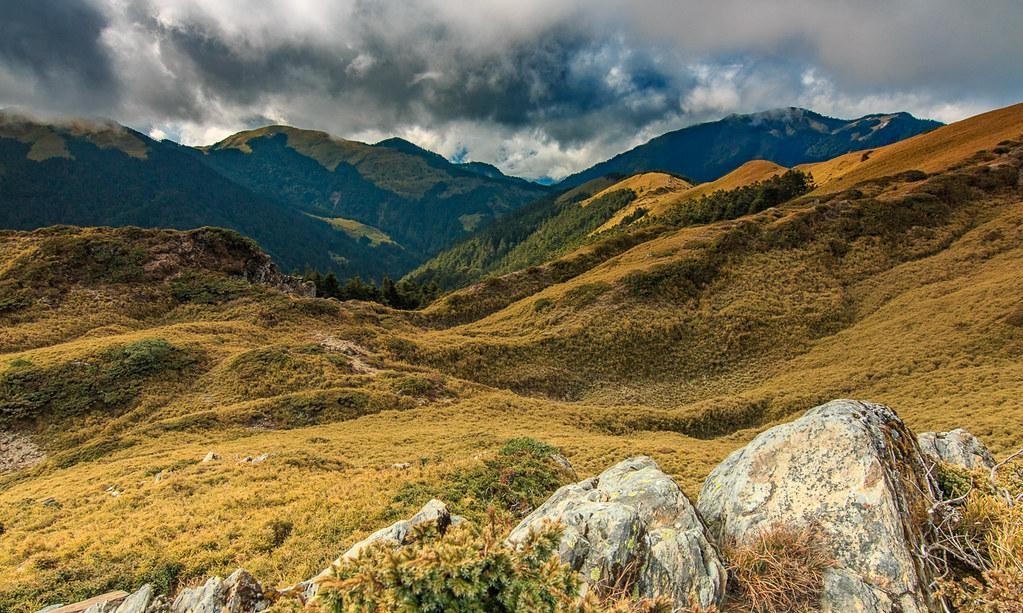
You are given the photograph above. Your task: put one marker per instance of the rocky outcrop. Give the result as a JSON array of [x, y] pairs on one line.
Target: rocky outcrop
[[957, 447], [239, 593], [629, 528], [434, 512], [854, 469]]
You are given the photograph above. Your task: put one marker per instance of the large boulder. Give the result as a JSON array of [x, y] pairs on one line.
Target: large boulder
[[854, 469], [957, 447], [632, 529], [434, 513], [239, 593]]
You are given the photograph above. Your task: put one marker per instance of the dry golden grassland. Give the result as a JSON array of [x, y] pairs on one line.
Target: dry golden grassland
[[127, 370]]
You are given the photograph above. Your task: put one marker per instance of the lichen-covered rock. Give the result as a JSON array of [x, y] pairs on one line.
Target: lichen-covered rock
[[137, 602], [957, 447], [239, 593], [433, 512], [633, 528], [854, 469]]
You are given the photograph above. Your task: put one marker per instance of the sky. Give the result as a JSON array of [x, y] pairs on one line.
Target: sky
[[540, 88]]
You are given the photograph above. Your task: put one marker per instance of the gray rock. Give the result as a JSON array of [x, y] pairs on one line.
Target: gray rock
[[854, 469], [137, 602], [52, 607], [957, 447], [632, 529], [209, 598], [396, 534], [211, 457], [239, 593]]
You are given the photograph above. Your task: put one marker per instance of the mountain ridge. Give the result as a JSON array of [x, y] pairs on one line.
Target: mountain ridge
[[706, 151]]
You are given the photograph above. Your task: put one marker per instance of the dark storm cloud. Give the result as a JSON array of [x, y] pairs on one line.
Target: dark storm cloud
[[55, 46], [541, 87]]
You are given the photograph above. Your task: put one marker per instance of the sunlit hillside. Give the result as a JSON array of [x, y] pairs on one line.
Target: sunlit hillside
[[128, 355]]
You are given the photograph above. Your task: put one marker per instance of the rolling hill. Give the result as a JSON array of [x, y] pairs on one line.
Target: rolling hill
[[790, 136], [419, 199]]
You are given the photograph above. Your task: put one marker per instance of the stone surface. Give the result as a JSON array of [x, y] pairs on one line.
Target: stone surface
[[137, 602], [18, 451], [957, 447], [211, 457], [239, 593], [631, 528], [854, 469]]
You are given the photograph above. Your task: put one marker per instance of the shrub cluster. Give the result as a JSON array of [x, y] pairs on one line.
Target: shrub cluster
[[745, 200], [464, 569], [404, 294]]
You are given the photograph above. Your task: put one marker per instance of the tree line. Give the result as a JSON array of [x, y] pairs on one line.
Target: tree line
[[406, 295]]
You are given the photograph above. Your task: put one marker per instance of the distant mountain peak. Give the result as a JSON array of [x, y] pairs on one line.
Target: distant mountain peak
[[787, 135]]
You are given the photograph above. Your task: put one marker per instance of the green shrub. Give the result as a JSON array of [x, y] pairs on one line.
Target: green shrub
[[521, 476], [204, 288], [108, 380], [745, 200], [464, 569]]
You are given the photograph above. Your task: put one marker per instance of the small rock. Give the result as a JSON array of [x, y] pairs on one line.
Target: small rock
[[401, 466], [957, 447], [160, 476], [211, 457], [259, 459], [52, 607], [50, 502], [113, 491], [239, 593]]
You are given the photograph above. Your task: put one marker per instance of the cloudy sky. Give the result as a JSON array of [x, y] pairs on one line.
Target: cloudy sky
[[538, 87]]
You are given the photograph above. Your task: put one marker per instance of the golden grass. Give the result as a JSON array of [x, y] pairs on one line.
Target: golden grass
[[658, 192], [930, 152], [654, 192]]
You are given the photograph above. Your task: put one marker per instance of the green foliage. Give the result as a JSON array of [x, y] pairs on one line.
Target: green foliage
[[273, 534], [744, 200], [205, 288], [108, 381], [534, 234], [464, 569], [521, 476], [405, 294]]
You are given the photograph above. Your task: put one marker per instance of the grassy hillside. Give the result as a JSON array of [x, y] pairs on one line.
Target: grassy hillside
[[931, 152], [127, 355], [102, 174], [531, 235], [417, 197], [791, 136]]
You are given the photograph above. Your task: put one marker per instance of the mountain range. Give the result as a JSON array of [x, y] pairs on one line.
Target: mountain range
[[316, 201]]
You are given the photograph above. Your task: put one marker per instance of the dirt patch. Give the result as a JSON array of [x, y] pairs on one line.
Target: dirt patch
[[356, 354], [17, 452]]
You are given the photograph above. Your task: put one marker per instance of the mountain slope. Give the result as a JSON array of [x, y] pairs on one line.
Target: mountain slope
[[527, 236], [102, 174], [931, 152], [126, 363], [418, 198], [787, 137]]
